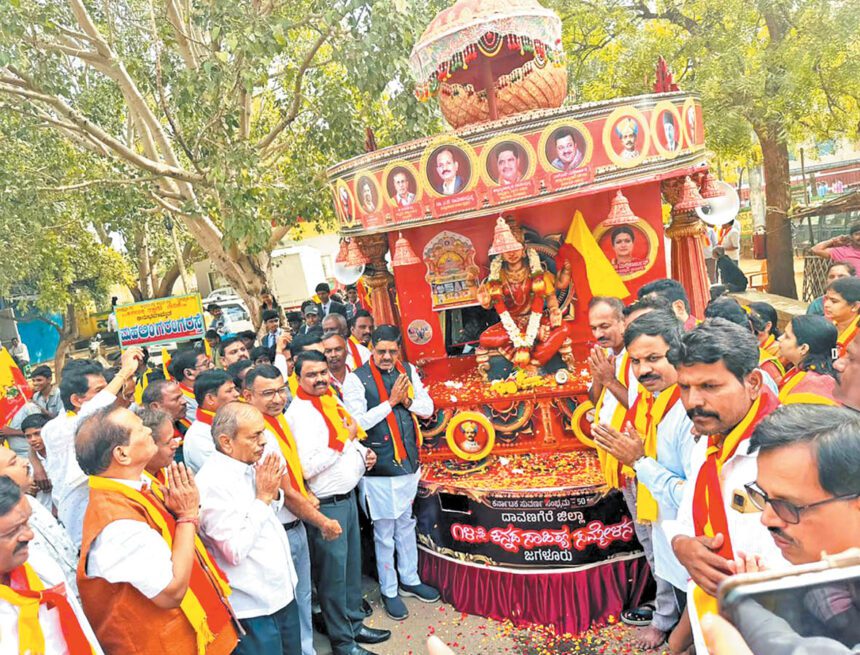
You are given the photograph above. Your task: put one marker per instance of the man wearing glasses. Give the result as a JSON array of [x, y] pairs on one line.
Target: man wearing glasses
[[723, 393], [808, 491], [266, 390]]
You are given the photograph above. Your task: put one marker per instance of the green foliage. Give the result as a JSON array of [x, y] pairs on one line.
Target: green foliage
[[802, 78]]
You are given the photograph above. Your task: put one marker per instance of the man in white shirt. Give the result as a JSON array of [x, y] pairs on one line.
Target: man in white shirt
[[240, 495], [724, 395], [83, 391], [356, 353], [32, 429], [402, 195], [333, 462], [385, 395], [167, 396], [608, 361], [663, 470], [212, 390], [185, 366], [45, 395], [46, 632], [266, 390], [728, 237], [361, 327], [20, 353], [50, 539], [140, 557]]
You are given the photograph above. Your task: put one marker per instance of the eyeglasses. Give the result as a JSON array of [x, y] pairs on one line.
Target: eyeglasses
[[269, 394], [788, 512]]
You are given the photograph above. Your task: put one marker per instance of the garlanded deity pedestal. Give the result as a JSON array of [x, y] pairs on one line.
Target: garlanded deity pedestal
[[515, 521]]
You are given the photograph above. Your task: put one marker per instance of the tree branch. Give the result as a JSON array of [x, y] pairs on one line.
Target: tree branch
[[89, 183], [297, 90]]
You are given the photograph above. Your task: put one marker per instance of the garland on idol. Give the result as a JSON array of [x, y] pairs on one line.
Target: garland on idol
[[522, 342]]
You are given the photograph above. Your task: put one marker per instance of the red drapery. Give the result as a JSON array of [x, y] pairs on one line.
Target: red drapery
[[569, 601]]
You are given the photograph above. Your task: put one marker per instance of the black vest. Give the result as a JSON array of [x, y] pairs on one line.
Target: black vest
[[379, 436]]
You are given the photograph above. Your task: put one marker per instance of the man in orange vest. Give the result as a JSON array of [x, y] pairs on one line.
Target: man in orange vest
[[58, 626], [147, 583]]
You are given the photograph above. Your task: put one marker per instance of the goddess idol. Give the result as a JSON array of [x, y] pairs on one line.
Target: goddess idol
[[532, 329]]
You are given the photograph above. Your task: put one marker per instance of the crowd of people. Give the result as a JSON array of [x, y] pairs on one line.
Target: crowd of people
[[736, 447], [217, 509], [219, 505]]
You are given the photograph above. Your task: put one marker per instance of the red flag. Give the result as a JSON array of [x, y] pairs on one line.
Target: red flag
[[14, 389]]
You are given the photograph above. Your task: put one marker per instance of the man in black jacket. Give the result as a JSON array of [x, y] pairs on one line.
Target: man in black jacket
[[385, 395], [326, 304]]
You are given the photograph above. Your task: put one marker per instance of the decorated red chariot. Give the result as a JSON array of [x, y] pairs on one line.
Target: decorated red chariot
[[485, 244]]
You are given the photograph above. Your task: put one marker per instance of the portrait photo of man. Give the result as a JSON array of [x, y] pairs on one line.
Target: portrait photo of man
[[345, 205], [403, 188], [670, 131], [447, 168], [568, 153], [367, 196], [627, 131], [508, 163]]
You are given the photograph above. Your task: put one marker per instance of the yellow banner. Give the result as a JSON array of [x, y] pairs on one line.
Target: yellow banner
[[163, 320]]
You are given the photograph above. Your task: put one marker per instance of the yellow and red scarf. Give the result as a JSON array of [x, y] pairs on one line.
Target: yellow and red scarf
[[353, 350], [188, 392], [391, 420], [723, 232], [847, 336], [612, 469], [204, 416], [765, 356], [709, 510], [191, 605], [27, 592], [646, 414], [334, 414], [795, 378], [287, 444]]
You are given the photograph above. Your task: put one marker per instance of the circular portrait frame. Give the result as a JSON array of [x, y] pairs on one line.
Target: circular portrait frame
[[345, 220], [388, 173], [580, 128], [689, 103], [608, 131], [359, 177], [657, 124], [577, 419], [642, 226], [493, 145], [440, 143], [474, 417]]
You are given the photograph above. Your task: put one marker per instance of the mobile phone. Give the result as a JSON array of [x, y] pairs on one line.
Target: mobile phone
[[821, 599]]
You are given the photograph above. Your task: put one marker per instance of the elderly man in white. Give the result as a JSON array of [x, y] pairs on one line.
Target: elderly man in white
[[239, 497]]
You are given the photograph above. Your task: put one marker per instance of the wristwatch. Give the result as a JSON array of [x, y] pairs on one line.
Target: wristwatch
[[635, 464]]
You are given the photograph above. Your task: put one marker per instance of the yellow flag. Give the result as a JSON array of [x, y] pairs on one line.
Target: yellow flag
[[603, 280], [165, 363]]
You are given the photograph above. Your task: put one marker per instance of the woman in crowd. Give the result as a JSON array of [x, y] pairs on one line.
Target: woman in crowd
[[835, 271], [842, 307], [764, 320], [268, 301], [808, 343]]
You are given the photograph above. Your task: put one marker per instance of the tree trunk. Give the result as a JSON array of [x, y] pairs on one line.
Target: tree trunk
[[68, 335], [780, 253]]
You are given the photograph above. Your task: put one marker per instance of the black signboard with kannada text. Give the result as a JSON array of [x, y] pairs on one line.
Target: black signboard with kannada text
[[526, 529]]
